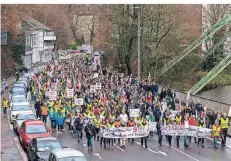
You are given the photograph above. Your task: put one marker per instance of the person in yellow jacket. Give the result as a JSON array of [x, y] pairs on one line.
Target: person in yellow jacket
[[216, 133], [111, 140], [57, 105], [5, 105], [44, 112], [97, 122], [88, 114], [224, 123], [50, 104]]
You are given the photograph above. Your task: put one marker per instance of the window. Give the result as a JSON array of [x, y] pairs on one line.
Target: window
[[75, 158], [26, 117], [48, 145], [16, 90], [35, 129], [19, 99], [21, 108]]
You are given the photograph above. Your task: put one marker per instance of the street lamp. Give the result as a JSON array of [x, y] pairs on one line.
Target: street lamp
[[138, 36]]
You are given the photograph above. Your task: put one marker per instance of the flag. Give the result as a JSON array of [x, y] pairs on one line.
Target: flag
[[33, 76]]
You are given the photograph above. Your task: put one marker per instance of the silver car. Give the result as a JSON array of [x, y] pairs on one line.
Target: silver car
[[67, 154], [17, 99], [20, 118]]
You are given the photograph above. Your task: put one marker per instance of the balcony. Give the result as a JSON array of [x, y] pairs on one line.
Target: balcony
[[49, 36]]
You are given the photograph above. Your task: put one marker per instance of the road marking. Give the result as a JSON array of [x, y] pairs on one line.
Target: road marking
[[119, 148], [20, 149], [179, 151], [157, 152], [218, 142], [84, 145], [98, 155]]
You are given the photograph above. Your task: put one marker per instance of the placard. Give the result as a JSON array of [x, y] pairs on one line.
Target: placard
[[124, 132], [229, 114], [70, 93], [96, 75], [78, 101], [52, 95], [98, 86], [92, 88], [134, 112], [49, 74], [152, 126]]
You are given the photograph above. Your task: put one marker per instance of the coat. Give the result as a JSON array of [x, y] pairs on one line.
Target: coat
[[53, 113], [59, 119], [90, 131]]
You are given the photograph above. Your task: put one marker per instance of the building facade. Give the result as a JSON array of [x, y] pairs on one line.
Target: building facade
[[38, 40]]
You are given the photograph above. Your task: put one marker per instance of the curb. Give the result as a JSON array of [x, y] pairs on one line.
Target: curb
[[23, 154]]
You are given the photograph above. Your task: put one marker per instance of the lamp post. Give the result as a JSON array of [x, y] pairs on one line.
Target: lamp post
[[138, 42]]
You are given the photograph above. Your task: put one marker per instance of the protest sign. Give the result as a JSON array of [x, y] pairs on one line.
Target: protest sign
[[229, 114], [49, 74], [152, 126], [96, 75], [124, 132], [92, 88], [70, 93], [79, 101], [47, 93], [98, 86], [134, 112], [180, 130], [52, 95]]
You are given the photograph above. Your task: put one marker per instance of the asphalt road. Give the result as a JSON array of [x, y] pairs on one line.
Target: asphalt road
[[132, 152]]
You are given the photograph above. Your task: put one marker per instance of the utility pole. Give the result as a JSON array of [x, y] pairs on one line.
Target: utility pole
[[138, 35]]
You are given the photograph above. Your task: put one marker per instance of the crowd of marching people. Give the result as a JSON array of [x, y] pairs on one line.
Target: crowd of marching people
[[110, 105]]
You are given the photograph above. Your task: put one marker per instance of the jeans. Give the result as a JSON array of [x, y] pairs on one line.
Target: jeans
[[60, 127], [37, 113], [4, 110], [90, 142], [215, 142], [145, 141], [111, 142], [224, 135], [103, 140], [44, 119], [160, 139], [169, 140], [53, 124], [185, 140]]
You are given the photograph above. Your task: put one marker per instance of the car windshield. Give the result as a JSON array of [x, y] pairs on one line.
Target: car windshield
[[26, 117], [19, 85], [21, 108], [19, 99], [16, 90], [35, 129], [80, 158], [48, 145]]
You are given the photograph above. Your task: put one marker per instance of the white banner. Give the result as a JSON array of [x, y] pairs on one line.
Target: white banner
[[180, 130], [79, 101], [70, 93], [47, 93], [134, 112], [52, 95], [49, 74], [98, 86], [124, 132], [229, 114]]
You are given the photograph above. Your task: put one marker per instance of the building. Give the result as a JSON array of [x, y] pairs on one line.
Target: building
[[38, 41], [3, 36]]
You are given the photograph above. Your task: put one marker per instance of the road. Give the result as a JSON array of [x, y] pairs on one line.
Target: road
[[12, 151]]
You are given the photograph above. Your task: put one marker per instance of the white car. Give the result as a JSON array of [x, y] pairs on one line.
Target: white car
[[23, 107], [67, 154], [18, 99], [22, 117]]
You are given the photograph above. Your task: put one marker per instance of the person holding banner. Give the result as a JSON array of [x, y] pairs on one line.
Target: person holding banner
[[216, 133], [131, 123], [103, 140], [178, 119], [201, 125], [97, 122], [123, 140], [224, 123], [144, 139], [111, 140], [158, 128], [186, 124]]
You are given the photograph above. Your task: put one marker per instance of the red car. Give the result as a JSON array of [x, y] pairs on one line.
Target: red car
[[32, 129]]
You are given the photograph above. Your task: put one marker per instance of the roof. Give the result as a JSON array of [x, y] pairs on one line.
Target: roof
[[22, 103], [46, 138], [28, 113], [34, 122], [34, 24], [67, 152]]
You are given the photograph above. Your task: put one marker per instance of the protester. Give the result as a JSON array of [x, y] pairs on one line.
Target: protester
[[5, 105], [216, 133], [60, 121], [44, 112], [224, 123], [90, 133], [38, 105], [78, 123]]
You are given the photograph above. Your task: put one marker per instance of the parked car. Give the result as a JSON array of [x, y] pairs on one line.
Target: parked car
[[23, 78], [18, 99], [18, 90], [23, 107], [40, 148], [67, 154], [32, 129], [20, 118], [23, 82]]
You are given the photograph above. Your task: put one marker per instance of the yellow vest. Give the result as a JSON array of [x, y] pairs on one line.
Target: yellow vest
[[87, 115], [110, 126], [178, 119], [44, 111], [97, 123], [112, 116], [224, 123], [5, 103], [216, 130]]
